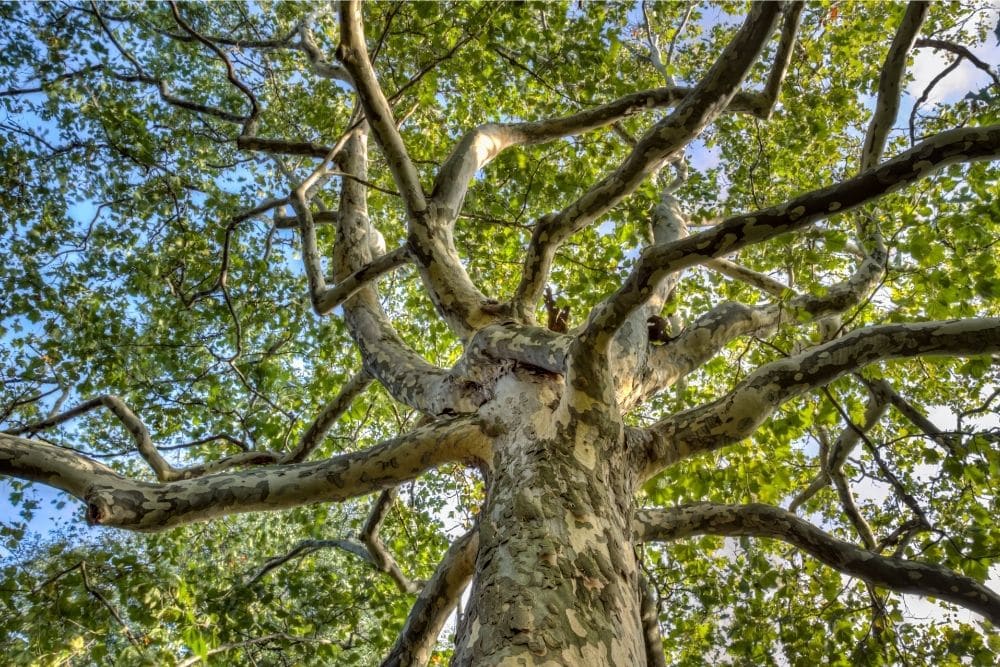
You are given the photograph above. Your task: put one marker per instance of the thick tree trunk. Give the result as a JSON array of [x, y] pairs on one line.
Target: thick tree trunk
[[556, 576]]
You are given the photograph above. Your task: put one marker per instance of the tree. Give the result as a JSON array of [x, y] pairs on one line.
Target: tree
[[286, 257]]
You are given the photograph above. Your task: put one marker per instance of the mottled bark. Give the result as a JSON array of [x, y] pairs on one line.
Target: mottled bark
[[556, 579]]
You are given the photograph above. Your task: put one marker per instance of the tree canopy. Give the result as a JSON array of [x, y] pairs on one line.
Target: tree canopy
[[288, 287]]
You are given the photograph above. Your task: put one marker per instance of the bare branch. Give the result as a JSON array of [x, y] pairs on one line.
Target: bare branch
[[350, 286], [783, 57], [960, 51], [113, 500], [144, 442], [251, 119], [483, 144], [837, 454], [761, 281], [303, 549], [435, 603], [756, 520], [104, 601], [333, 410], [710, 333]]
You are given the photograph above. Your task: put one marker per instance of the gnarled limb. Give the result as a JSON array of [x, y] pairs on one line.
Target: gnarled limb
[[951, 147], [114, 500], [739, 413], [435, 603], [757, 520], [708, 99]]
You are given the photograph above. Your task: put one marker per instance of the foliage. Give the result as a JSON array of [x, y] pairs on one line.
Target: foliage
[[116, 207]]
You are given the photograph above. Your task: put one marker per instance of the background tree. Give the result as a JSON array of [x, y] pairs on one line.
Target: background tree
[[281, 257]]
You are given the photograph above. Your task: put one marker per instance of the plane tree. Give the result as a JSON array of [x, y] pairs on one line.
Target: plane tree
[[664, 332]]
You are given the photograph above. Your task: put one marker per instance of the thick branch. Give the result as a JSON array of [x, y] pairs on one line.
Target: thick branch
[[890, 84], [951, 147], [710, 333], [435, 603], [113, 500], [483, 144], [789, 30], [756, 520], [708, 99], [650, 618], [761, 281], [404, 373], [353, 53], [739, 413]]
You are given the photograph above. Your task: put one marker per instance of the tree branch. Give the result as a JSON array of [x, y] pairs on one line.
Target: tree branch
[[890, 83], [113, 500], [951, 147], [435, 603], [756, 520], [303, 549], [738, 414], [353, 53], [333, 410], [380, 556], [708, 99], [706, 336]]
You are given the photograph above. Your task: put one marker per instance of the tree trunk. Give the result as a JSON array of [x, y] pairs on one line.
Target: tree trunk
[[556, 575]]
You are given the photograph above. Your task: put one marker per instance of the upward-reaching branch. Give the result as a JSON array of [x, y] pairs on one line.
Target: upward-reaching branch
[[708, 99], [890, 83], [951, 147], [460, 303]]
